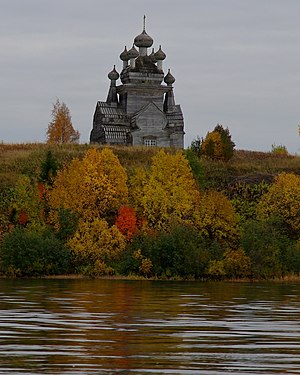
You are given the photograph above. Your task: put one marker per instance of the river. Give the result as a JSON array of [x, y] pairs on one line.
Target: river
[[148, 327]]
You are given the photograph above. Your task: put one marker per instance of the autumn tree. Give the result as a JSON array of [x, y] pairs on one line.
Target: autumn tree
[[95, 245], [92, 187], [60, 129], [166, 192], [215, 218], [91, 191], [218, 144], [283, 200], [212, 147]]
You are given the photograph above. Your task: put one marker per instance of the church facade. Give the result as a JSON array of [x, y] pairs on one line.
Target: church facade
[[142, 109]]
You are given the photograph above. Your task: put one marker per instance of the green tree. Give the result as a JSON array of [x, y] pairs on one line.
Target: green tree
[[60, 129], [49, 168], [196, 146], [26, 252]]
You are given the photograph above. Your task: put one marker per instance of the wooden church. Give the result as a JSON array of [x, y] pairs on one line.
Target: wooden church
[[142, 109]]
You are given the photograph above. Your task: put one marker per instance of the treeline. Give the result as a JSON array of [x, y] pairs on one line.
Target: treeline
[[151, 213]]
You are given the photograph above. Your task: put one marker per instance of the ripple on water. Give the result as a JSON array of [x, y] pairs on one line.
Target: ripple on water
[[113, 327]]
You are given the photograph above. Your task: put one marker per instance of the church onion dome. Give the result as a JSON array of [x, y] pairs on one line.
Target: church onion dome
[[169, 79], [160, 55], [124, 55], [132, 53], [143, 40], [152, 57], [113, 75]]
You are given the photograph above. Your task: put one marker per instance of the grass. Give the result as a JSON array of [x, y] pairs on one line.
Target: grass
[[249, 166], [26, 158]]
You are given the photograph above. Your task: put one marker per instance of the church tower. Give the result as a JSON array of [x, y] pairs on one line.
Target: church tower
[[142, 109]]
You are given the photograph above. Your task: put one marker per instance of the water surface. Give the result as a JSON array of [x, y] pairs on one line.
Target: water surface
[[148, 327]]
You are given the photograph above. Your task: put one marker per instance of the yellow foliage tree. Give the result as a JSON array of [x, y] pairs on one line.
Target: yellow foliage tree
[[94, 187], [283, 200], [212, 146], [215, 217], [167, 192], [60, 129], [95, 245]]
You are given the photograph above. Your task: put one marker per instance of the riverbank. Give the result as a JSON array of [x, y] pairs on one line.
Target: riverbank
[[285, 279], [155, 213]]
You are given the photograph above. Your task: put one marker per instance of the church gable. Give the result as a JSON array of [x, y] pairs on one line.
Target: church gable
[[150, 127], [149, 117]]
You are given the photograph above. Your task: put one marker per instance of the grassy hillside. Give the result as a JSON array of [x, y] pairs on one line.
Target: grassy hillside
[[169, 228], [16, 159]]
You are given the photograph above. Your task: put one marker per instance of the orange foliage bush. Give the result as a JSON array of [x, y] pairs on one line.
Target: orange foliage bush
[[23, 217], [127, 222]]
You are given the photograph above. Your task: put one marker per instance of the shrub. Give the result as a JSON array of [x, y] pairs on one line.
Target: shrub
[[25, 200], [245, 197], [95, 246], [28, 253], [265, 243], [290, 258], [196, 167], [179, 252], [279, 150], [235, 264]]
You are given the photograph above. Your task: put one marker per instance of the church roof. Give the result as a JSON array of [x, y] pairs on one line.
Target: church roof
[[124, 55], [111, 112], [160, 55], [169, 78], [113, 75], [143, 39]]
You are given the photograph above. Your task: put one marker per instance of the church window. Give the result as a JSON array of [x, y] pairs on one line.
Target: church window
[[150, 142]]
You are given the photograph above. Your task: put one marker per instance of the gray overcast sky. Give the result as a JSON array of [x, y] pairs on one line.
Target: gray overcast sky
[[236, 62]]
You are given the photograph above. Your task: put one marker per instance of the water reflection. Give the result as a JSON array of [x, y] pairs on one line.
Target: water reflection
[[143, 327]]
